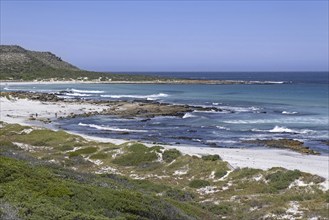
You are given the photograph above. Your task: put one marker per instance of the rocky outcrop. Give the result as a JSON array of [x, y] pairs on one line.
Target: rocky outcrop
[[126, 109], [291, 144]]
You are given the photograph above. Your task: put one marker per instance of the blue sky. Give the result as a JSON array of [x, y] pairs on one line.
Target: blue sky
[[173, 35]]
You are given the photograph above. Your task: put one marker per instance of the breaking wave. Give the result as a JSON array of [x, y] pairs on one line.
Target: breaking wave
[[223, 128], [279, 129], [76, 94], [189, 115], [105, 128], [86, 91], [289, 113], [148, 97]]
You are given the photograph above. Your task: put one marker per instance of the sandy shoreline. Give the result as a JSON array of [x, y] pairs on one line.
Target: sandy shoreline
[[20, 110]]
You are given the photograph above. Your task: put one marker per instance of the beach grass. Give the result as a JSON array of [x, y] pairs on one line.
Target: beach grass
[[74, 178]]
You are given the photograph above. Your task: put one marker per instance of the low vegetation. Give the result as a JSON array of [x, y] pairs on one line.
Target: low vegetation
[[55, 175], [199, 183], [18, 63]]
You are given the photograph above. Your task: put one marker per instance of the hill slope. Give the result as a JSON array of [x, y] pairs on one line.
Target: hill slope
[[18, 63]]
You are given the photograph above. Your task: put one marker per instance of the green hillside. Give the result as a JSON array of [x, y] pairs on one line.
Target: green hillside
[[18, 63]]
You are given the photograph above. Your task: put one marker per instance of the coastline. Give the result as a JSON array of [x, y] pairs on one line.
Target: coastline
[[20, 111], [169, 81]]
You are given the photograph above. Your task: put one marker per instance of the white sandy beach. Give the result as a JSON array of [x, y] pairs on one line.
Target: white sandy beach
[[20, 110]]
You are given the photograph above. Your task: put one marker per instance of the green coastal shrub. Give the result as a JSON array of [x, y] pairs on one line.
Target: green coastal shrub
[[245, 173], [220, 173], [87, 150], [180, 195], [282, 179], [199, 183], [211, 157], [42, 192], [98, 156], [170, 155], [137, 154]]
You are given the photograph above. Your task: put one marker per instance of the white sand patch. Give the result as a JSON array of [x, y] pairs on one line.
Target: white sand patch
[[258, 178], [54, 161], [159, 155], [117, 153], [96, 162], [171, 162], [207, 190], [20, 110], [148, 176], [212, 175], [293, 212], [136, 177], [30, 148], [299, 183], [263, 158], [324, 185], [225, 176], [227, 186], [26, 131], [183, 171], [108, 169], [253, 208], [74, 149]]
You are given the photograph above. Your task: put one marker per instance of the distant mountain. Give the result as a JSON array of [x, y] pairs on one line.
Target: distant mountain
[[17, 63]]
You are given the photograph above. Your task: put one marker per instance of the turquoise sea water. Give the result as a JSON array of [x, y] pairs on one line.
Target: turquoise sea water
[[296, 109]]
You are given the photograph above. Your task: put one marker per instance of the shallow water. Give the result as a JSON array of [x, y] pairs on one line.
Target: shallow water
[[293, 110]]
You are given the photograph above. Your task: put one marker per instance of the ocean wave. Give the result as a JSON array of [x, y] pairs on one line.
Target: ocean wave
[[223, 128], [289, 113], [148, 97], [222, 141], [268, 82], [76, 94], [65, 97], [212, 111], [189, 115], [241, 109], [86, 91], [279, 129], [294, 120], [109, 128]]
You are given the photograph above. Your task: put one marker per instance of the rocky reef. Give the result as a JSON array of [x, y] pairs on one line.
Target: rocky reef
[[291, 144]]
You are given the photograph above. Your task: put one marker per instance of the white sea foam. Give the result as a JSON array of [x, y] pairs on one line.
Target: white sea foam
[[149, 97], [223, 128], [268, 82], [289, 113], [241, 109], [222, 141], [76, 94], [292, 120], [65, 96], [189, 115], [279, 129], [211, 111], [86, 91], [109, 128]]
